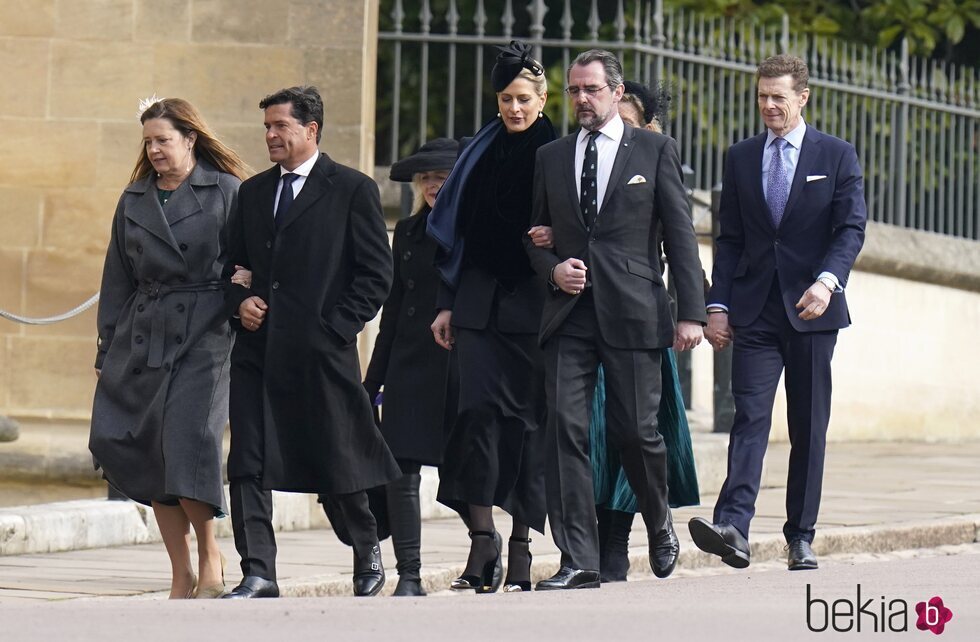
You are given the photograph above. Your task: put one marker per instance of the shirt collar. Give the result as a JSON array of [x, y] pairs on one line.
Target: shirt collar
[[794, 138], [305, 168], [613, 129]]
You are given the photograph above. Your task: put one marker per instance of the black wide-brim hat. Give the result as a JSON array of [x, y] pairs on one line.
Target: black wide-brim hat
[[437, 154]]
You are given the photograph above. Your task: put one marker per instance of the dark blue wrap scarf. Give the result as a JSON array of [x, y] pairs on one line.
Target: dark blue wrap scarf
[[443, 225]]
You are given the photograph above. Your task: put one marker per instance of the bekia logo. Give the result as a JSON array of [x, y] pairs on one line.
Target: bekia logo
[[933, 615], [871, 614]]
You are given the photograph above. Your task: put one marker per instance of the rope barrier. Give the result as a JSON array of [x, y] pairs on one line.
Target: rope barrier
[[49, 320]]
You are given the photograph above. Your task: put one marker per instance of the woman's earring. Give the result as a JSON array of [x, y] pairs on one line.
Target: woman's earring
[[498, 114], [540, 114]]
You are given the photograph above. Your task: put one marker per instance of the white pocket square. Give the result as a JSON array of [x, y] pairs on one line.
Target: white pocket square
[[815, 177], [637, 180]]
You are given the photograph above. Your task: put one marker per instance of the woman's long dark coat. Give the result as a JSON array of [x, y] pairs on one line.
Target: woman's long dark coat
[[161, 402], [420, 378]]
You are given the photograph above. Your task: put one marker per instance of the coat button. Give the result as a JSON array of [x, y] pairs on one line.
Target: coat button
[[137, 371], [179, 339], [275, 285], [410, 311], [138, 339], [182, 279], [410, 284], [166, 367], [408, 233], [140, 308], [180, 307], [183, 247], [407, 256], [139, 249], [268, 245]]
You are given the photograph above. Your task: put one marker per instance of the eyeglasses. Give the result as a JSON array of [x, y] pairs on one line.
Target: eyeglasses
[[588, 91]]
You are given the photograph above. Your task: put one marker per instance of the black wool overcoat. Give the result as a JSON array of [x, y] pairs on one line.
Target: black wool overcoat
[[300, 418]]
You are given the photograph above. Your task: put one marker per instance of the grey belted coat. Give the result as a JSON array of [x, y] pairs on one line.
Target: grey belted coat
[[161, 402]]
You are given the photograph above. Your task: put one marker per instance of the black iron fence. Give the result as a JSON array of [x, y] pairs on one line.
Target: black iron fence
[[913, 121]]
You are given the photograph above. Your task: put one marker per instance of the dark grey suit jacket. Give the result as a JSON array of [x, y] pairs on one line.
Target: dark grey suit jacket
[[621, 250]]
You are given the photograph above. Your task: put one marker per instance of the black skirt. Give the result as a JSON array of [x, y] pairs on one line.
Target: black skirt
[[495, 455]]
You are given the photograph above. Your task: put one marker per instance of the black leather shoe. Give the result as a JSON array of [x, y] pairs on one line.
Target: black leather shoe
[[253, 586], [801, 556], [664, 548], [369, 574], [722, 540], [569, 578]]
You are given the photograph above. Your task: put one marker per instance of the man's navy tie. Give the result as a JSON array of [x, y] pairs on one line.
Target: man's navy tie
[[777, 191], [590, 184], [285, 197]]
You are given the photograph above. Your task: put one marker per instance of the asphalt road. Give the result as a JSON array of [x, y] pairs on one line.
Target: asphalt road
[[764, 603]]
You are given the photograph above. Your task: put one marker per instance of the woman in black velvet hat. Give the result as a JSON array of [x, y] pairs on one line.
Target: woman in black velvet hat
[[419, 378], [490, 309]]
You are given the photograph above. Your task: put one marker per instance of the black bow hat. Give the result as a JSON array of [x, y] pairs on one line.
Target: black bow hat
[[439, 153], [510, 61]]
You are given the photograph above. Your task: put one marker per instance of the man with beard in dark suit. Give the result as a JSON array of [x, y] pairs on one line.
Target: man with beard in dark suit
[[604, 189], [313, 235]]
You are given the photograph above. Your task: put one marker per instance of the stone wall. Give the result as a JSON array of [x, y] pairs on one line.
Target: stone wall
[[74, 71]]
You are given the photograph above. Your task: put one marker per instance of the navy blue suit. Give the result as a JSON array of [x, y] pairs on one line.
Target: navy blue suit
[[760, 272]]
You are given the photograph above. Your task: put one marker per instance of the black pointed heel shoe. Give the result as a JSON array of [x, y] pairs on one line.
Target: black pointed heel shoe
[[518, 586], [488, 581]]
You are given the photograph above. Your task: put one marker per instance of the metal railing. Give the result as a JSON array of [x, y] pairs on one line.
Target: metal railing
[[913, 121]]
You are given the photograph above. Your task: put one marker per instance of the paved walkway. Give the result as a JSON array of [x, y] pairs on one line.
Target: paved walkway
[[877, 497]]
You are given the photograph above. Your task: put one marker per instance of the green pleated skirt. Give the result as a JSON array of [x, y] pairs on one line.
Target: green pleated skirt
[[612, 490]]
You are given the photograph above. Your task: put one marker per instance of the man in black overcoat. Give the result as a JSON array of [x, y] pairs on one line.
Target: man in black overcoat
[[604, 189], [313, 234]]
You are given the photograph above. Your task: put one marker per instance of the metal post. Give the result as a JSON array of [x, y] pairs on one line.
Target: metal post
[[724, 404], [901, 135]]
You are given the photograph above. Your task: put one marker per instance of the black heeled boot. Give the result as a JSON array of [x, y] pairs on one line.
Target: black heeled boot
[[405, 521], [614, 553]]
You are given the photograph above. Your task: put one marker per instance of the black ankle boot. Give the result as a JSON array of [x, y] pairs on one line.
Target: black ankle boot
[[404, 517], [614, 558]]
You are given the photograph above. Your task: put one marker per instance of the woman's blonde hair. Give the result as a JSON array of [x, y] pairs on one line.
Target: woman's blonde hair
[[634, 101], [186, 119], [540, 83], [418, 197]]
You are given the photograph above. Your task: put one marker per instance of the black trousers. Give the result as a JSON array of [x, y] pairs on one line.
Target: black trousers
[[251, 504], [633, 383], [761, 351]]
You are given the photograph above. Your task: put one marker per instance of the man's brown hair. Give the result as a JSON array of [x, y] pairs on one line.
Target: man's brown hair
[[785, 65]]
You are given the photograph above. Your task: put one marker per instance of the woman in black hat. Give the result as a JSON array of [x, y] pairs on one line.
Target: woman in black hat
[[419, 379], [490, 310]]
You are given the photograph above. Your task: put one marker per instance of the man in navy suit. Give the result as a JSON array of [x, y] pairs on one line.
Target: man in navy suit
[[792, 223]]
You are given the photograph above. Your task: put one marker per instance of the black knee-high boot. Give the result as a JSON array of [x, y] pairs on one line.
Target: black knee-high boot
[[405, 520], [614, 558]]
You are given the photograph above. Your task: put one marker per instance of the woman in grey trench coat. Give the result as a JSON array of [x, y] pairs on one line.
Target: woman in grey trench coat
[[161, 402]]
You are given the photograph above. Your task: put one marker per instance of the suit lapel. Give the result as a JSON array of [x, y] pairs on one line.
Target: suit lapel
[[809, 153], [756, 153], [622, 157], [315, 187], [266, 195], [148, 213], [568, 162]]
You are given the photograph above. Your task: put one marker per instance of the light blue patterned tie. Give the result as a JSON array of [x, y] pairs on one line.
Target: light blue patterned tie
[[777, 191]]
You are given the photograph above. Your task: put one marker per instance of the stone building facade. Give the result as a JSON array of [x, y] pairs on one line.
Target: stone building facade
[[74, 71]]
